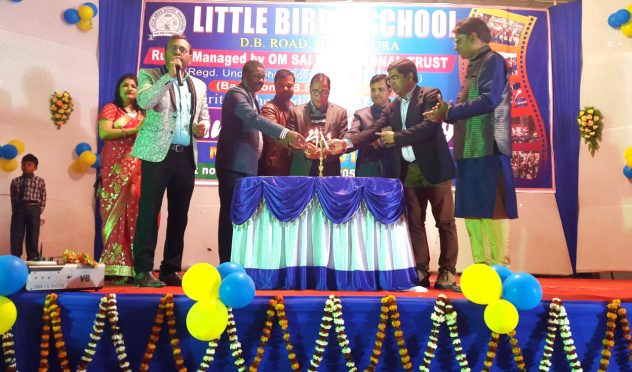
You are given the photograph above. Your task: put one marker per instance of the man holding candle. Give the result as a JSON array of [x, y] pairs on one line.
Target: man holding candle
[[321, 120], [425, 167], [240, 142]]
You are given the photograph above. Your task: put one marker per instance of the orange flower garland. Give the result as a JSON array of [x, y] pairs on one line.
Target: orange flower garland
[[52, 321], [8, 351], [614, 311], [493, 349], [165, 307], [61, 107], [389, 310]]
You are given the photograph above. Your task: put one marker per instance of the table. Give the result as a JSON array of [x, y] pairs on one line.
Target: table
[[325, 233]]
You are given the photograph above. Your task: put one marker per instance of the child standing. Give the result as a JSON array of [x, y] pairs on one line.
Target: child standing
[[28, 199]]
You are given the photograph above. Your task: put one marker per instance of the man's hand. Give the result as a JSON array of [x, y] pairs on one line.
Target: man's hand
[[387, 136], [199, 130], [337, 146], [311, 151], [171, 66], [42, 221], [295, 140], [438, 113]]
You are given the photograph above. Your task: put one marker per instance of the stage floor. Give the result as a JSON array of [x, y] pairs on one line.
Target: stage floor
[[564, 288]]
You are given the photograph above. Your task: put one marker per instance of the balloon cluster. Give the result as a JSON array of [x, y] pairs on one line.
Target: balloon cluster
[[621, 20], [82, 16], [85, 158], [13, 275], [60, 108], [215, 289], [627, 169], [503, 292], [8, 154]]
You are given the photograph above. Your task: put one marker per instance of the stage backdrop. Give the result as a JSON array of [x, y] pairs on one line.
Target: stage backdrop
[[351, 42]]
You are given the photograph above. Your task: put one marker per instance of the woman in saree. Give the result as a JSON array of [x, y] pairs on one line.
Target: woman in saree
[[119, 123]]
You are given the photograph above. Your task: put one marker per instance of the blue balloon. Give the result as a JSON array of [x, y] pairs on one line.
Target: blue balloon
[[94, 8], [71, 16], [622, 16], [9, 151], [1, 156], [627, 171], [523, 290], [502, 271], [13, 274], [228, 268], [237, 290], [80, 148], [613, 21], [97, 164]]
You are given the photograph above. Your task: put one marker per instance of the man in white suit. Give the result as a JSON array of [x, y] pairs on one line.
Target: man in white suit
[[177, 114]]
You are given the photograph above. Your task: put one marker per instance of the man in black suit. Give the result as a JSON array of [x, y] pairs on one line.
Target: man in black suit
[[425, 167], [240, 143], [374, 159]]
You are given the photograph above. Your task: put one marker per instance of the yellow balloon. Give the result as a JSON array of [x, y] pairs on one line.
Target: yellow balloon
[[87, 158], [18, 145], [201, 282], [8, 314], [481, 284], [78, 167], [501, 316], [85, 12], [207, 320], [627, 29], [8, 165], [84, 25], [627, 154]]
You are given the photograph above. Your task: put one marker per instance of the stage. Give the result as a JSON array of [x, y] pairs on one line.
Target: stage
[[584, 300]]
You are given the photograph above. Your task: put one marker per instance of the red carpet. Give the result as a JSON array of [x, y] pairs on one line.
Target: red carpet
[[564, 288]]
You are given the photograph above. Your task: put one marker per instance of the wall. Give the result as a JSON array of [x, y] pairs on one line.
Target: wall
[[605, 195]]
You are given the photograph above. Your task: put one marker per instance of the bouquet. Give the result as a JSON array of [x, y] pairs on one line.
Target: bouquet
[[590, 125], [60, 108]]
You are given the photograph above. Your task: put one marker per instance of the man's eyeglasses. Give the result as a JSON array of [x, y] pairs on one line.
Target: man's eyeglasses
[[393, 78], [459, 39], [175, 48], [322, 92]]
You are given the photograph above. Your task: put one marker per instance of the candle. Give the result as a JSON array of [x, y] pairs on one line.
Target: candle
[[324, 141]]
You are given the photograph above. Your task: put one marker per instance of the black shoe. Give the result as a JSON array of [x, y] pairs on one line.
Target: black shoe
[[171, 279], [423, 277], [147, 279]]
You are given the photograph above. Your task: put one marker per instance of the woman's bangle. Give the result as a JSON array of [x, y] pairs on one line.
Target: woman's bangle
[[124, 132]]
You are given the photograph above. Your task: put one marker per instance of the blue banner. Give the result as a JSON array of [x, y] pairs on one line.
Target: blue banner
[[351, 42]]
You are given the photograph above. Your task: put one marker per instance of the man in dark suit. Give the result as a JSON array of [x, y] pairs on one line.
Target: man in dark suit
[[425, 167], [328, 118], [374, 159], [240, 142]]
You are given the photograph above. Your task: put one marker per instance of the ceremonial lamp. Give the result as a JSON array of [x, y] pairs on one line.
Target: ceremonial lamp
[[321, 144]]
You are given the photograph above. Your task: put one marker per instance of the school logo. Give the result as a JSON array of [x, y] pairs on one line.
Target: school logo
[[167, 21]]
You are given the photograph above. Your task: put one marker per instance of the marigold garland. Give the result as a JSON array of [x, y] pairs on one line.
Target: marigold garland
[[61, 107], [209, 356], [332, 316], [614, 311], [117, 335], [389, 310], [590, 125], [52, 322], [235, 345], [95, 336], [8, 351], [557, 319], [493, 349], [444, 312], [165, 307]]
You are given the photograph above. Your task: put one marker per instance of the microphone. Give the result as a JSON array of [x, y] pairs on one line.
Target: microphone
[[179, 75]]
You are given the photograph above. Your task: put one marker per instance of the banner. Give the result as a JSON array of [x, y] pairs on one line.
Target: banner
[[351, 42]]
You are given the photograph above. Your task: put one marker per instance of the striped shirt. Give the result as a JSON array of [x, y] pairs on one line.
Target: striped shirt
[[28, 188]]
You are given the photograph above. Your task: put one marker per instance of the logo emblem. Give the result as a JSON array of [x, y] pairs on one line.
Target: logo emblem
[[167, 21]]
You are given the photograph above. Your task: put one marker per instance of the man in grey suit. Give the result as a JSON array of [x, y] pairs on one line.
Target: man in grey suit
[[328, 118], [240, 143], [374, 159], [177, 114]]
